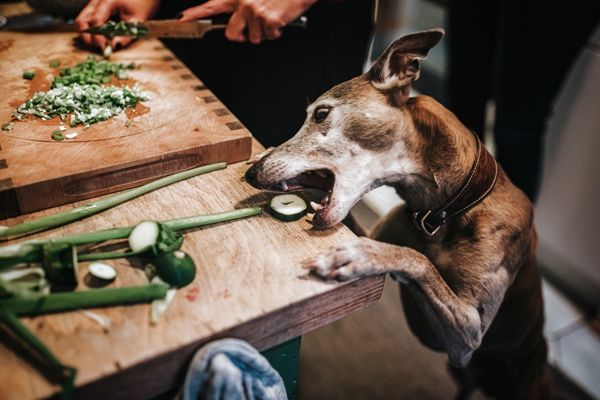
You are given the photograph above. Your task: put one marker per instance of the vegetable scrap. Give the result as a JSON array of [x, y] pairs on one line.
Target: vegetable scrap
[[77, 92], [29, 75], [8, 126], [58, 136], [54, 63]]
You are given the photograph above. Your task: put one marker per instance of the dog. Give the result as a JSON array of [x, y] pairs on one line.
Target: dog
[[462, 247]]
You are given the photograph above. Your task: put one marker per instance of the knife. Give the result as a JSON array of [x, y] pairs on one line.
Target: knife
[[170, 28]]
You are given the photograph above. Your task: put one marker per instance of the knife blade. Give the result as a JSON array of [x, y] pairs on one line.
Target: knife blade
[[170, 28]]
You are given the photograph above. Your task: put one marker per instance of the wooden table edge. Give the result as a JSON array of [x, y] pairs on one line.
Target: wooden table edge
[[166, 371]]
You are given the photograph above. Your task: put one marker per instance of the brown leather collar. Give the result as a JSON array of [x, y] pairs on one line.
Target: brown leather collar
[[477, 185]]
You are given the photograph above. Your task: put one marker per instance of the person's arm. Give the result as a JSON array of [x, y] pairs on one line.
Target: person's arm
[[97, 12], [263, 19]]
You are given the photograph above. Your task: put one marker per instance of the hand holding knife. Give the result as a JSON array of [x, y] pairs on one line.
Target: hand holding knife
[[170, 28]]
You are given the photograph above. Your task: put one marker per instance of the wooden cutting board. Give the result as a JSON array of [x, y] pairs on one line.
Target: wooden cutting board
[[181, 126]]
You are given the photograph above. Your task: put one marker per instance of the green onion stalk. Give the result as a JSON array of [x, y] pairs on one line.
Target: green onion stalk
[[69, 301], [46, 360], [32, 251], [78, 213], [13, 307]]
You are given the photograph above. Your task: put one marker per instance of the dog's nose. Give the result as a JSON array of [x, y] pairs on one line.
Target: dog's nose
[[250, 175]]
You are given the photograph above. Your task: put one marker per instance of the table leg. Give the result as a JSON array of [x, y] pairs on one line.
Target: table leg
[[284, 358]]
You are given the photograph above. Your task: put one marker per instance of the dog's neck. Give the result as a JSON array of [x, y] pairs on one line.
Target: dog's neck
[[447, 151]]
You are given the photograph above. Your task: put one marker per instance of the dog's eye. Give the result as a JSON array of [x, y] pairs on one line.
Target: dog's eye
[[321, 114]]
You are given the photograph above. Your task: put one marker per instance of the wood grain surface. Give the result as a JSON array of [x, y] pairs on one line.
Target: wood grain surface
[[182, 125], [249, 284]]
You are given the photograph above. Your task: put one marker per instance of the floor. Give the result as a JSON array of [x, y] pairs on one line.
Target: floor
[[373, 355]]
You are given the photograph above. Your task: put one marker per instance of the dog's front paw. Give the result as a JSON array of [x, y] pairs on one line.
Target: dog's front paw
[[343, 263]]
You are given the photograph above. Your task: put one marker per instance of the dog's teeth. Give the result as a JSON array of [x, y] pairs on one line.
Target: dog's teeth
[[284, 185], [316, 206], [321, 174]]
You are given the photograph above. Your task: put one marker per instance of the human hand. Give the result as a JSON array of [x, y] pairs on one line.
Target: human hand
[[97, 12], [263, 19]]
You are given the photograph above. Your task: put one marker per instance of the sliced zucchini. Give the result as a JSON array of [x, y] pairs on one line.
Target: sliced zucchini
[[288, 207], [102, 271]]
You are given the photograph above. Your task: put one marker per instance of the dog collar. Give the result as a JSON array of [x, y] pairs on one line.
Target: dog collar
[[476, 186]]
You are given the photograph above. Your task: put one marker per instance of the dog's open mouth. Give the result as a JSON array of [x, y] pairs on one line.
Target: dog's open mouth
[[320, 179]]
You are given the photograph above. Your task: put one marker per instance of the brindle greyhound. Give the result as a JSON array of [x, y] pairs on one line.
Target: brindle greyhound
[[462, 245]]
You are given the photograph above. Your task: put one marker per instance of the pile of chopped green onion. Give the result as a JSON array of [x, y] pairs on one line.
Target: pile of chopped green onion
[[92, 71], [78, 92], [87, 103]]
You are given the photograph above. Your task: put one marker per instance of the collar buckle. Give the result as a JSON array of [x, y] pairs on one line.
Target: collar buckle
[[421, 224]]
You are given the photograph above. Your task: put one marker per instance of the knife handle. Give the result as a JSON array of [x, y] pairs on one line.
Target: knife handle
[[223, 19]]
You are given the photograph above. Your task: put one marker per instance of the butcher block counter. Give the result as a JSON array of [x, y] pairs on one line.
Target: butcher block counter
[[249, 283]]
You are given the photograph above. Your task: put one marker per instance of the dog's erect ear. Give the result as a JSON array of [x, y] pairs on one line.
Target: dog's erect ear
[[398, 66]]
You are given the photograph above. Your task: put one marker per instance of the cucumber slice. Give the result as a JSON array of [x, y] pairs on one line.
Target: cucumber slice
[[176, 268], [288, 207], [102, 271]]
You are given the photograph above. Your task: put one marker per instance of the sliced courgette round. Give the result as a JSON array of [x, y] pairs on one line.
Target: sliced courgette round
[[288, 207], [102, 271]]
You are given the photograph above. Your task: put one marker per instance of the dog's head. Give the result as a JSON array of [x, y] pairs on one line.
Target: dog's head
[[355, 137]]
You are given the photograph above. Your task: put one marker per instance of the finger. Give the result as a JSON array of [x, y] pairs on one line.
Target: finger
[[272, 28], [121, 42], [235, 28], [272, 33], [86, 37], [82, 22], [255, 30], [103, 12], [100, 41], [207, 9]]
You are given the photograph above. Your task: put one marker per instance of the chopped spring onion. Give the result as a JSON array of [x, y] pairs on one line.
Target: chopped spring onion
[[86, 104], [107, 51], [92, 71], [58, 135], [158, 307], [143, 236], [29, 75], [54, 63], [288, 207], [111, 29], [78, 213], [8, 126], [78, 92]]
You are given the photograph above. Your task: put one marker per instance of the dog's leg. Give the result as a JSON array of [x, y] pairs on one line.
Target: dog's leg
[[459, 320]]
